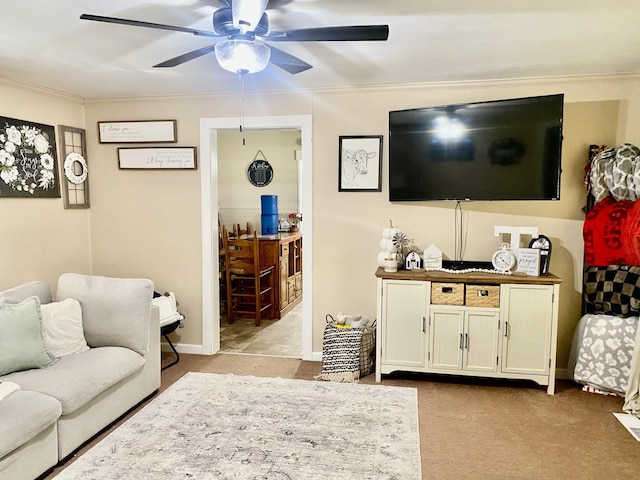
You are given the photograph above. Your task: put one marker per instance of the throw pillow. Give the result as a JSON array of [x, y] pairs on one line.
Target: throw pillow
[[609, 233], [115, 311], [21, 345], [62, 329]]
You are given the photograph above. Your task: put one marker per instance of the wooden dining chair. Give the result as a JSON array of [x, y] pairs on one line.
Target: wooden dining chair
[[238, 231], [222, 271], [250, 286]]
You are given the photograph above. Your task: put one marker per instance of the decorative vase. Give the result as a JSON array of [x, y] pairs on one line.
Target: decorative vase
[[293, 229], [390, 265]]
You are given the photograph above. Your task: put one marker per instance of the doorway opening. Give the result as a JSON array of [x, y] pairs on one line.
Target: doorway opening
[[209, 174], [253, 164]]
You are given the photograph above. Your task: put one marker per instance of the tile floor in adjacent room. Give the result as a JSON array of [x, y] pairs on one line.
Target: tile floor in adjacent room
[[279, 338]]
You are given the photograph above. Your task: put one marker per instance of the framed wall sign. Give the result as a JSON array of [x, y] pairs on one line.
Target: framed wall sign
[[28, 159], [160, 158], [138, 131], [360, 163]]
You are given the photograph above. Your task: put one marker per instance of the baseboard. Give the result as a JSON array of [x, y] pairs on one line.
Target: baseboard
[[561, 373], [197, 350], [183, 348]]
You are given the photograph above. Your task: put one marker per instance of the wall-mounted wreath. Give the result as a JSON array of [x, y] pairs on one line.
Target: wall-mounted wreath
[[74, 161]]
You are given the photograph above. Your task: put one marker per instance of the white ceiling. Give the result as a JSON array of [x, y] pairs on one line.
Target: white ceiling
[[43, 42]]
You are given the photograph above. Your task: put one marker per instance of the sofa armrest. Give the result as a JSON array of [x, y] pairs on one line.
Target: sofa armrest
[[153, 365], [115, 311], [22, 292]]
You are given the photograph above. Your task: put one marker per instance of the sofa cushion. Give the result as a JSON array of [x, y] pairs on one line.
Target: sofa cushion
[[23, 415], [22, 292], [115, 311], [76, 379], [62, 330], [21, 345]]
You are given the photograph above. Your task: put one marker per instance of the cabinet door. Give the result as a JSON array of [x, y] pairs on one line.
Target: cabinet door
[[291, 289], [446, 338], [284, 282], [298, 282], [481, 340], [527, 312], [404, 330], [463, 339]]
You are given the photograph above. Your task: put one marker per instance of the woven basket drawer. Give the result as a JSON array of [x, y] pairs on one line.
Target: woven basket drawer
[[447, 293], [482, 296]]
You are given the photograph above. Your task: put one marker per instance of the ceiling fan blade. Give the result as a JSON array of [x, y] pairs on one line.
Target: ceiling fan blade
[[180, 59], [287, 61], [138, 23], [353, 33]]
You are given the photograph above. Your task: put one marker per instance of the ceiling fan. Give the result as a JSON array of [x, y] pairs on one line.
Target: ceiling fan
[[243, 28]]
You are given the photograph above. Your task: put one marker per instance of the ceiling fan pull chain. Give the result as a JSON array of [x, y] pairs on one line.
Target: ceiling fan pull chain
[[241, 79]]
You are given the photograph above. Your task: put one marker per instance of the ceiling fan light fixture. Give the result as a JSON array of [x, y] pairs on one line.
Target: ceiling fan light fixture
[[242, 56]]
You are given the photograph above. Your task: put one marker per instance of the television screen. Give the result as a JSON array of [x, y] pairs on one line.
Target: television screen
[[496, 150]]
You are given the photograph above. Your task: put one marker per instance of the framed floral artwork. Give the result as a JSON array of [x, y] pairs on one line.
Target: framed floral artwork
[[28, 164], [360, 163]]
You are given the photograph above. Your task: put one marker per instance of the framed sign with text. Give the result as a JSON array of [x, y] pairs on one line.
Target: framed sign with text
[[159, 158], [138, 131]]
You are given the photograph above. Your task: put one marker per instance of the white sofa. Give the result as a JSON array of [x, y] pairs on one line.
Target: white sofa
[[59, 407]]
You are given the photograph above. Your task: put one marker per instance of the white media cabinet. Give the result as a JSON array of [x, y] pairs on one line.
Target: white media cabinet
[[509, 330]]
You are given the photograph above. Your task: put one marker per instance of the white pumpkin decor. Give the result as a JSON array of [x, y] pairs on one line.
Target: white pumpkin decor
[[388, 248], [388, 233]]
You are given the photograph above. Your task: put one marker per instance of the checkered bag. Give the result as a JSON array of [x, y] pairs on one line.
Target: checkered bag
[[612, 290]]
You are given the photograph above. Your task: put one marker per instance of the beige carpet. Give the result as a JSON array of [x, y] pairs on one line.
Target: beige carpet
[[473, 429]]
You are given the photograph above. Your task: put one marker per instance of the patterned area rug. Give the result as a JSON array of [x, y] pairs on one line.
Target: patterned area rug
[[209, 426]]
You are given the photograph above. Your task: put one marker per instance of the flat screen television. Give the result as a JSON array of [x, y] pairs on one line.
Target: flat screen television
[[495, 150]]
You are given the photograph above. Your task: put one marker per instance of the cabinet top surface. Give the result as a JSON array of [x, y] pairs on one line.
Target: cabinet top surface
[[480, 277], [281, 237]]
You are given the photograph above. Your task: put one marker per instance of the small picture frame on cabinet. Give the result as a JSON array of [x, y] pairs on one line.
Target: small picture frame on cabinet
[[529, 261]]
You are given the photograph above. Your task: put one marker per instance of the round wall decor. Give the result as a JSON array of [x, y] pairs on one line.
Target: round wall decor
[[260, 173], [72, 162]]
